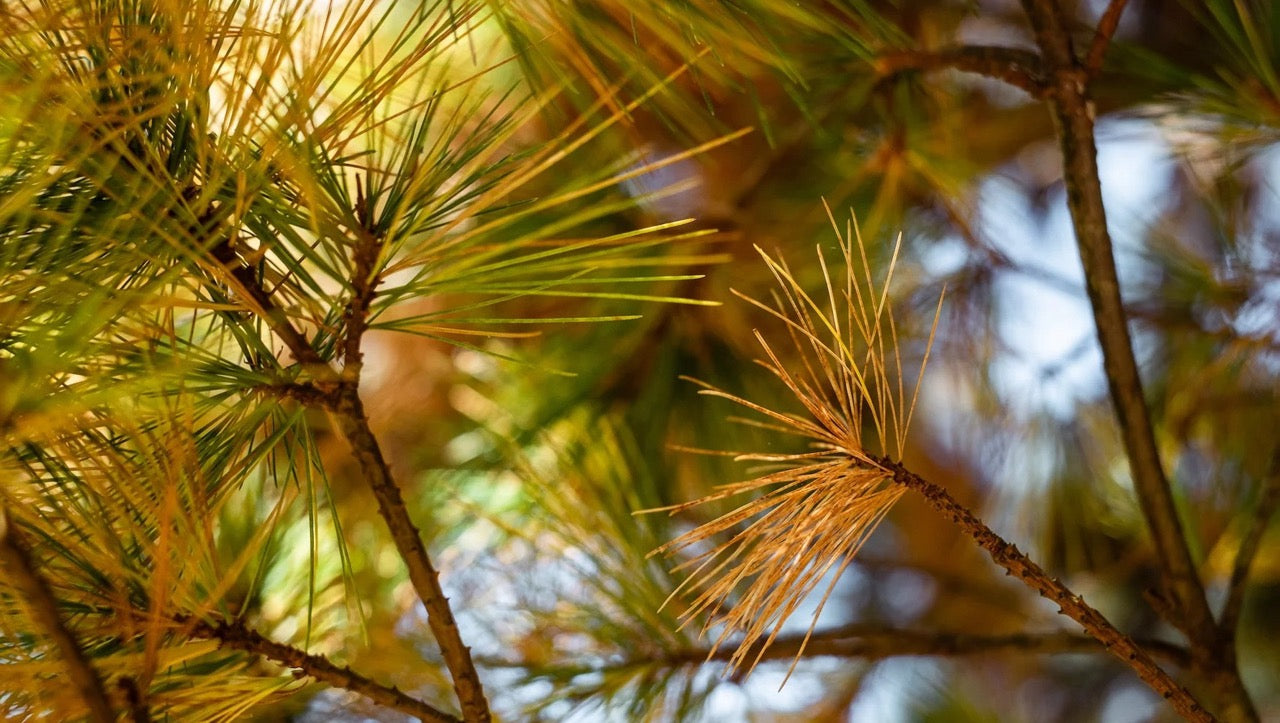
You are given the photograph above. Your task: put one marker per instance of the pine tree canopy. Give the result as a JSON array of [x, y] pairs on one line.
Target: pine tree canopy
[[639, 360]]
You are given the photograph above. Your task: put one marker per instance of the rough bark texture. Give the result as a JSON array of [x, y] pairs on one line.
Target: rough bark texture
[[1182, 600], [1073, 606], [348, 413]]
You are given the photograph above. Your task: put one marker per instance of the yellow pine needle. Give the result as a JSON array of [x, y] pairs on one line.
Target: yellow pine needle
[[753, 567]]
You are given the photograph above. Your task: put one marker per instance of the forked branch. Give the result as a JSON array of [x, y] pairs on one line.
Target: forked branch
[[1107, 25], [342, 401], [1182, 598], [1014, 66], [1074, 117]]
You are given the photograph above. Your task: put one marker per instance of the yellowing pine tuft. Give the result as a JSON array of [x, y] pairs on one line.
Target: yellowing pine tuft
[[803, 523]]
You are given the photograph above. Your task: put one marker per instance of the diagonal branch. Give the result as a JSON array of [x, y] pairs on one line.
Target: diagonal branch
[[1084, 196], [250, 288], [238, 637], [1182, 598], [1268, 503], [1073, 606], [43, 607], [1017, 67], [348, 413], [1107, 25]]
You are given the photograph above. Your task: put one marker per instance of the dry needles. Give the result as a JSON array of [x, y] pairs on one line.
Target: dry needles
[[818, 508]]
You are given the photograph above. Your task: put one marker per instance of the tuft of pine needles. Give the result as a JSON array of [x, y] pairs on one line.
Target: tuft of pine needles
[[754, 566]]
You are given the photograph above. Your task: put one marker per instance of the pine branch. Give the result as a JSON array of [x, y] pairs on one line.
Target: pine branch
[[1107, 25], [43, 608], [364, 281], [251, 290], [348, 411], [863, 641], [1084, 194], [349, 415], [342, 401], [1268, 503], [1184, 600], [236, 636], [1014, 66], [876, 643], [1073, 606]]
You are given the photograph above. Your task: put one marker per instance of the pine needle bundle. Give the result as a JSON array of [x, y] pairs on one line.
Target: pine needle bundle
[[754, 566]]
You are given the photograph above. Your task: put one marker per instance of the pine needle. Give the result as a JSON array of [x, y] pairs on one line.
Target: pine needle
[[749, 570]]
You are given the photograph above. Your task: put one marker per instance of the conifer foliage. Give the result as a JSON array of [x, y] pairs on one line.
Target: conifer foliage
[[369, 359]]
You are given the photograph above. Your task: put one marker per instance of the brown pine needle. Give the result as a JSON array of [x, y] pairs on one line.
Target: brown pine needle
[[750, 569]]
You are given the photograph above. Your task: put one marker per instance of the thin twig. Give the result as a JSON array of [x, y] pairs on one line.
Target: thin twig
[[1102, 38], [862, 641], [348, 414], [251, 289], [1017, 67], [43, 608], [1268, 502], [1073, 606], [1185, 604], [238, 637], [877, 643], [364, 284]]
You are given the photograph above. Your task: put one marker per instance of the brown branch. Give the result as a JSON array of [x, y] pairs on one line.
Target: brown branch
[[364, 283], [238, 637], [862, 641], [1073, 606], [348, 414], [347, 410], [248, 287], [43, 608], [1102, 38], [876, 643], [1214, 659], [1268, 502], [1017, 67], [341, 398]]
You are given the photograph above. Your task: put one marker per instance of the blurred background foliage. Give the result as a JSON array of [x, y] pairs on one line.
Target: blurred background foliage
[[150, 474]]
